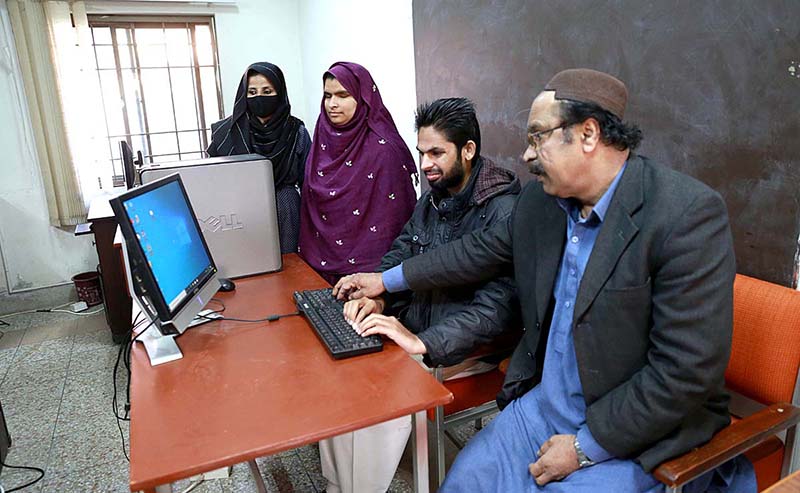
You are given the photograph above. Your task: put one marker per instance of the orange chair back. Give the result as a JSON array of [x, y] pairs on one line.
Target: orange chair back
[[765, 354]]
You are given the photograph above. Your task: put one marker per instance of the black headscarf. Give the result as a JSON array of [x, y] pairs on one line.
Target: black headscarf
[[243, 133]]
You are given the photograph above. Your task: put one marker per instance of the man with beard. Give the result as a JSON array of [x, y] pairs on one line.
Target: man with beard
[[468, 192], [625, 271]]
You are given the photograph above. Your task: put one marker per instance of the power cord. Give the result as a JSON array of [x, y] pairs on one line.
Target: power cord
[[27, 468], [80, 314], [269, 318], [124, 354]]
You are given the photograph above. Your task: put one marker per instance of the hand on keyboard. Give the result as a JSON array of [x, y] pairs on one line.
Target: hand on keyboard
[[325, 314], [357, 310], [392, 328]]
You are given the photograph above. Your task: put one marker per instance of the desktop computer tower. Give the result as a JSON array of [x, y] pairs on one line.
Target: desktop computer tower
[[234, 200]]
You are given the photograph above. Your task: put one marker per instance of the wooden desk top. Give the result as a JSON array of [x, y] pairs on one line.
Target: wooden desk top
[[246, 390], [789, 484]]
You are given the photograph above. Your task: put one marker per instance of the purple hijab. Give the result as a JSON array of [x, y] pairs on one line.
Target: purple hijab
[[357, 193]]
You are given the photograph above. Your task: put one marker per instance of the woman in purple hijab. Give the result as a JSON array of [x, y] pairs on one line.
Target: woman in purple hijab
[[357, 193]]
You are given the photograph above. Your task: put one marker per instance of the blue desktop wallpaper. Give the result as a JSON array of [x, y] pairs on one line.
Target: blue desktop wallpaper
[[171, 243]]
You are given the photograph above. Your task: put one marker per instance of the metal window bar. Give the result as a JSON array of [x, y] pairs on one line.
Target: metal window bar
[[119, 180], [105, 115], [138, 69], [171, 91], [198, 89]]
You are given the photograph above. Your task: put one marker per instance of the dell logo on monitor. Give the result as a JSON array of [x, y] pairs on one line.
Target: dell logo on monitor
[[224, 222]]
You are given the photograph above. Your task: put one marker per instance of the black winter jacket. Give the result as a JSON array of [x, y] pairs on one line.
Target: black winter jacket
[[452, 322]]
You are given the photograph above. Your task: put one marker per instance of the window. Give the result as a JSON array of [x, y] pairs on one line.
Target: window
[[160, 89]]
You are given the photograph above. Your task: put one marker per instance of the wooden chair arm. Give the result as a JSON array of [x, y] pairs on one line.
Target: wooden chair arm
[[728, 443]]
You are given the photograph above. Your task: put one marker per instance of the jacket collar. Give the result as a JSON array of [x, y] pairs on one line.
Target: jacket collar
[[487, 180], [619, 229]]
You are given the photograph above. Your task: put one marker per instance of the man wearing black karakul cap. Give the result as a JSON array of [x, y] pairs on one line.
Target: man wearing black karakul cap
[[625, 274]]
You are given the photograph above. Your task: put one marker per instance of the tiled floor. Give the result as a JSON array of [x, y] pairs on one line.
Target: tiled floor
[[56, 390]]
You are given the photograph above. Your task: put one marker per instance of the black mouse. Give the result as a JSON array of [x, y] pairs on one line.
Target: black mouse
[[226, 285]]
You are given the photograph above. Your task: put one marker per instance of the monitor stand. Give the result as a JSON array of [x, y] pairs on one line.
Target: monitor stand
[[160, 348]]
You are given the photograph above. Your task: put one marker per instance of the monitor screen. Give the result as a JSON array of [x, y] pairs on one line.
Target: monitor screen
[[167, 250]]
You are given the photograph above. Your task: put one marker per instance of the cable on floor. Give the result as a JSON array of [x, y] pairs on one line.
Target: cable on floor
[[27, 468]]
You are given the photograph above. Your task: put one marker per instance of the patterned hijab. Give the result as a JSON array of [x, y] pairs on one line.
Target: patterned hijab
[[357, 193], [243, 133]]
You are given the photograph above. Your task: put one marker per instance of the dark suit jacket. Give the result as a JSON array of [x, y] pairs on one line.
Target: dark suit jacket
[[653, 317]]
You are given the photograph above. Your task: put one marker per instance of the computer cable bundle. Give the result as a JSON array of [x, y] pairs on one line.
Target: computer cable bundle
[[124, 355], [268, 318]]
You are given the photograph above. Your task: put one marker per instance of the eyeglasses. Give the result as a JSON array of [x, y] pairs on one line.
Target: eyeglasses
[[536, 139]]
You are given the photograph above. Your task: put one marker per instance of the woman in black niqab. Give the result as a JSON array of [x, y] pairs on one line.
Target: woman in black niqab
[[262, 123]]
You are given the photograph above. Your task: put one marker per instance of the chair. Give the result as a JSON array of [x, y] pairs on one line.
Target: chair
[[762, 376], [473, 398]]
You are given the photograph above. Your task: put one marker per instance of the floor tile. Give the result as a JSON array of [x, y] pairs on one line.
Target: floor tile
[[89, 424], [10, 339], [44, 399], [62, 330], [102, 478], [241, 481], [309, 458], [93, 446], [31, 373], [93, 323], [286, 471], [92, 392], [51, 350], [94, 340], [93, 360], [35, 319], [6, 356]]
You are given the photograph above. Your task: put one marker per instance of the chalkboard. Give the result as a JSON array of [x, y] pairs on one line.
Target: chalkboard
[[714, 86]]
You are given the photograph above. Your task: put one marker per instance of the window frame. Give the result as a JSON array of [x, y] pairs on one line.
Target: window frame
[[131, 23]]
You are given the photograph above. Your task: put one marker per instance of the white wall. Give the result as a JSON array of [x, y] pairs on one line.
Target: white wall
[[260, 31], [377, 35]]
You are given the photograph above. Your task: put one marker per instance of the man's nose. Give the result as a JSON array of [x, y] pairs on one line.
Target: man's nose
[[529, 154], [425, 163]]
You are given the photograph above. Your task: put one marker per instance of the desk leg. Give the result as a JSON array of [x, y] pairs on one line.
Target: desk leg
[[260, 486], [419, 427]]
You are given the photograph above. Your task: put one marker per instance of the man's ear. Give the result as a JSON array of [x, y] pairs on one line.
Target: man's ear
[[590, 134], [468, 151]]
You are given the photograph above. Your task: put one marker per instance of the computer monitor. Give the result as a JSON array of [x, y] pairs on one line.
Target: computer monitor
[[128, 165], [171, 271]]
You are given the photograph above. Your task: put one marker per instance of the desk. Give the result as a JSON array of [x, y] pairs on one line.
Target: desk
[[789, 484], [247, 390], [117, 301]]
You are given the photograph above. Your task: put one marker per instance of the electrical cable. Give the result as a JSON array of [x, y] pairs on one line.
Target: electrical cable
[[80, 314], [41, 310], [27, 468], [125, 349], [269, 318]]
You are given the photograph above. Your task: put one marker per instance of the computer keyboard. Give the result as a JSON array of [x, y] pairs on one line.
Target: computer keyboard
[[324, 313]]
